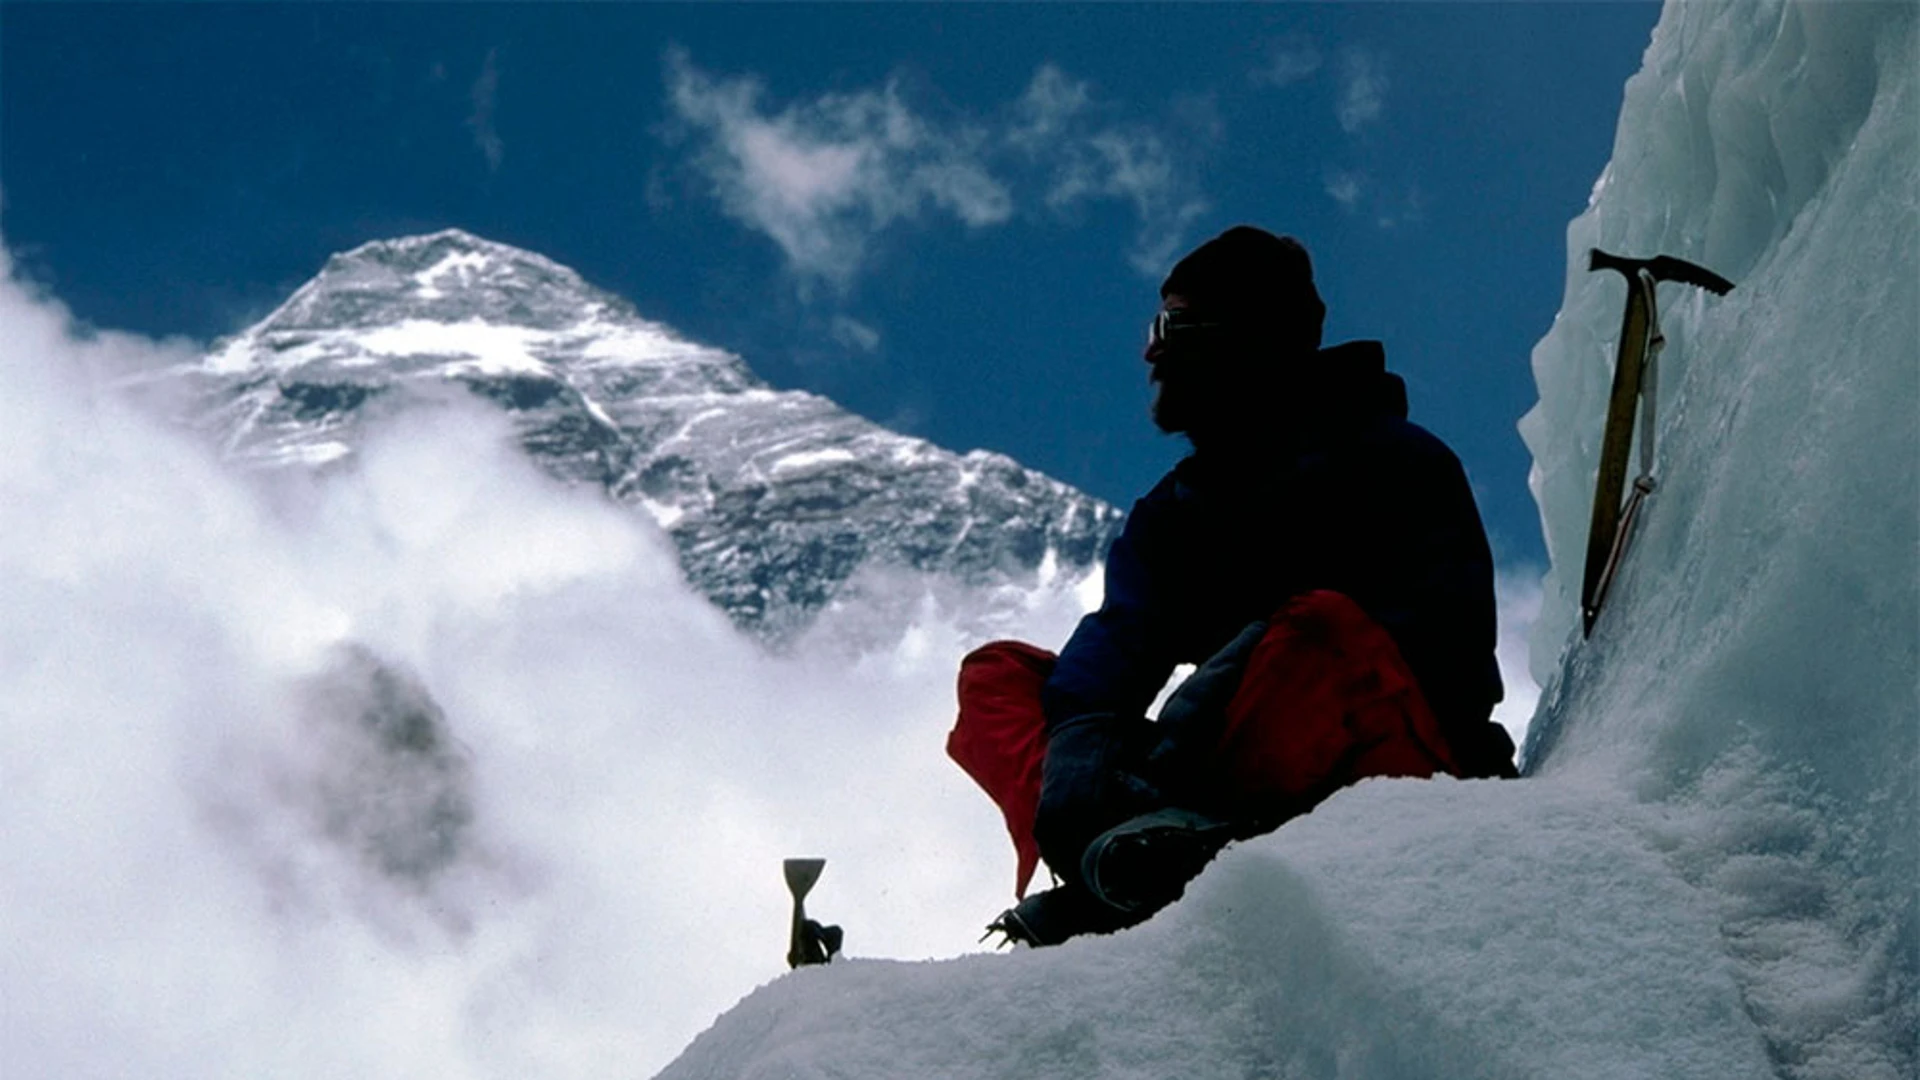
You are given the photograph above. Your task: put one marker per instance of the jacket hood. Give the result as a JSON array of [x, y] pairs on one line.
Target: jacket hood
[[1314, 399], [1318, 396], [1347, 382]]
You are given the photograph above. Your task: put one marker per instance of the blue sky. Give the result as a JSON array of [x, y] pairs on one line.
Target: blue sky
[[951, 219]]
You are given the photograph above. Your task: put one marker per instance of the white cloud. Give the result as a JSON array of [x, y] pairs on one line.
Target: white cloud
[[823, 178], [1345, 186], [1358, 191], [1360, 102], [1091, 159], [1289, 61], [855, 334], [486, 89], [1517, 595], [1363, 89], [1155, 249], [1052, 101]]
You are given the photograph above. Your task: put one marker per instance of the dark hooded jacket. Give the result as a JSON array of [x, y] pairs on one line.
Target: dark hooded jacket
[[1340, 492]]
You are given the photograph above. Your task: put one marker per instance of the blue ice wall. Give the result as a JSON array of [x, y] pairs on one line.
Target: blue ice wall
[[1753, 676]]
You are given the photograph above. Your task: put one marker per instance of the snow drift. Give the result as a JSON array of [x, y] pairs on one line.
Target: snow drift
[[1710, 872]]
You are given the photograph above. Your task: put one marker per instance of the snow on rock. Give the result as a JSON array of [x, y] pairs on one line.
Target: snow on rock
[[1711, 870], [808, 459], [493, 350], [776, 500]]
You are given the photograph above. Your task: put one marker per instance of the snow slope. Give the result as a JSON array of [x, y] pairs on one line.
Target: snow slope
[[1405, 930], [1711, 871]]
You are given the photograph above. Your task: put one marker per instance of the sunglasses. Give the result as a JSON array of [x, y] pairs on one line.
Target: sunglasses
[[1168, 323]]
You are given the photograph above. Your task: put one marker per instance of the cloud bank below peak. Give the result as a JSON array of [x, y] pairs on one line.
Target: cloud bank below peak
[[824, 178]]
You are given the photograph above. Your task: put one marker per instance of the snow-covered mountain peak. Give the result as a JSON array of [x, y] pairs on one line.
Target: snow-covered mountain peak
[[466, 304], [449, 276], [775, 498]]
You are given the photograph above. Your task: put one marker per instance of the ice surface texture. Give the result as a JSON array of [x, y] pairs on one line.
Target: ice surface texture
[[1712, 870], [1754, 674]]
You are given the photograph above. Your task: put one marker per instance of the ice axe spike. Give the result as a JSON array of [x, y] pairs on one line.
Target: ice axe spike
[[809, 942], [1634, 377]]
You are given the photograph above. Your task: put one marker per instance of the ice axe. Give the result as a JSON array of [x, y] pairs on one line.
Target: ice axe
[[810, 943], [1634, 378]]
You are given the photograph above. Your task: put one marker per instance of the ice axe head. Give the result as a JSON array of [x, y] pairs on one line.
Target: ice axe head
[[1663, 268], [801, 876]]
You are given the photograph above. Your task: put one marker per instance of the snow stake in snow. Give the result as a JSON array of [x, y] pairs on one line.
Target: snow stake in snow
[[811, 943], [1633, 379]]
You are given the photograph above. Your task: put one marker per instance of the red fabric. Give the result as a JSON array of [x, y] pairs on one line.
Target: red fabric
[[1000, 738], [1326, 700]]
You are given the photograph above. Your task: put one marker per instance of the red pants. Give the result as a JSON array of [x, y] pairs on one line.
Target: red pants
[[1325, 700]]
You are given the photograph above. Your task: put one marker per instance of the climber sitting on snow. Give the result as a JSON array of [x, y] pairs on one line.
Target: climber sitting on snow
[[1318, 556]]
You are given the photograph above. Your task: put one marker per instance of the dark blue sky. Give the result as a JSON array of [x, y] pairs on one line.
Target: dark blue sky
[[951, 219]]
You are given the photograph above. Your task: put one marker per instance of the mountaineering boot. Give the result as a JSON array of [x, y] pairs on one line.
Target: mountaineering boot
[[1131, 871], [1053, 916], [1144, 864]]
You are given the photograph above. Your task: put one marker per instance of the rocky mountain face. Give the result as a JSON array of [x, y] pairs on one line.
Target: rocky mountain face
[[773, 498]]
